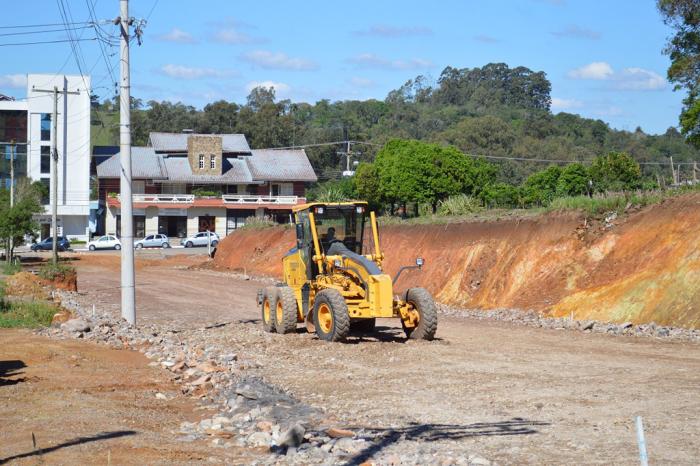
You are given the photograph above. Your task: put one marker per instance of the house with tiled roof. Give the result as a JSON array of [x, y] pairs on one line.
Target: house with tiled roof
[[184, 183]]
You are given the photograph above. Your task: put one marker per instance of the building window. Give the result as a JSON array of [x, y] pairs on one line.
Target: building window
[[201, 162], [45, 159], [212, 162], [45, 196], [45, 126]]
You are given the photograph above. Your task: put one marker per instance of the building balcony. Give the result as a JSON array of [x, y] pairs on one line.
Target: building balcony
[[229, 201]]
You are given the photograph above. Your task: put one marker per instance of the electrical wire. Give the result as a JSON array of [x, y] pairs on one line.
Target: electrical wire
[[44, 42]]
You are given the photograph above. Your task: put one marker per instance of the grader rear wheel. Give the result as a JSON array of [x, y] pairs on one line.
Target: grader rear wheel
[[423, 314], [331, 316], [285, 310], [269, 299]]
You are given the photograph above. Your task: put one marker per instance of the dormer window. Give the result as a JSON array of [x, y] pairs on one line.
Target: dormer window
[[201, 162], [212, 162]]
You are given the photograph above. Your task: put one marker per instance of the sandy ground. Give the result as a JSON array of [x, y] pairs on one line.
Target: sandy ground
[[511, 394], [87, 404]]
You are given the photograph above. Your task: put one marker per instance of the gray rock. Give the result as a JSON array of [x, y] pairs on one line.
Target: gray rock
[[76, 325], [259, 439], [587, 325], [626, 325], [247, 392], [349, 446], [292, 437]]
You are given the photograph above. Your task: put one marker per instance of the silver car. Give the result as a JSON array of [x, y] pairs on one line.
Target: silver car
[[153, 241], [201, 239]]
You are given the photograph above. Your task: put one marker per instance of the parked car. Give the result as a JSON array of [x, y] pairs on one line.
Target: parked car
[[47, 244], [105, 242], [201, 239], [153, 241]]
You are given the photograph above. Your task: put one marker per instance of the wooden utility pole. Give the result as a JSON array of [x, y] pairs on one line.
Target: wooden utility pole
[[128, 287], [695, 172], [54, 165]]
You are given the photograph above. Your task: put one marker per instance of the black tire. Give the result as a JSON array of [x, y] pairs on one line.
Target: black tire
[[331, 317], [214, 243], [269, 299], [139, 246], [92, 247], [363, 325], [423, 302], [188, 244], [286, 310], [165, 245], [117, 247]]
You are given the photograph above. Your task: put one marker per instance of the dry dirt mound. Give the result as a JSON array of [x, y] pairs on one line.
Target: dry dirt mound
[[644, 268]]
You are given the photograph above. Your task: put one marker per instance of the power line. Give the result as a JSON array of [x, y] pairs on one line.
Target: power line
[[40, 25], [45, 31], [45, 42]]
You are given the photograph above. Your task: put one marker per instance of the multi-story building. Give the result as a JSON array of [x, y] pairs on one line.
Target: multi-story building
[[184, 183], [28, 123]]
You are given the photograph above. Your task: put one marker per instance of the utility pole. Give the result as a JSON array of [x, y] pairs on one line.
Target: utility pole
[[54, 165], [673, 172], [695, 172], [127, 220], [12, 195]]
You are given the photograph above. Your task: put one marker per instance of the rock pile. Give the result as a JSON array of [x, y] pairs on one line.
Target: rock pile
[[248, 412], [535, 319]]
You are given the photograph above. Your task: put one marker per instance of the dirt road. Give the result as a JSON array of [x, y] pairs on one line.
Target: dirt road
[[86, 404], [508, 393]]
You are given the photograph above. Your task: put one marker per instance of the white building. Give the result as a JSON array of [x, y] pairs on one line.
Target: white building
[[73, 142]]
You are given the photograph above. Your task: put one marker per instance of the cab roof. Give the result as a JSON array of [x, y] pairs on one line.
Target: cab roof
[[309, 205]]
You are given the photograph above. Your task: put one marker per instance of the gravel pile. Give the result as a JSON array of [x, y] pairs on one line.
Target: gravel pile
[[535, 319], [248, 411]]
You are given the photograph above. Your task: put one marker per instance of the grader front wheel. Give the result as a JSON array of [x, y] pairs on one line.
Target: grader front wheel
[[285, 310], [331, 317], [422, 315]]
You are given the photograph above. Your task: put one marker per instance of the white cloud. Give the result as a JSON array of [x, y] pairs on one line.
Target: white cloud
[[565, 104], [577, 32], [596, 70], [232, 35], [639, 79], [383, 30], [370, 60], [277, 61], [187, 72], [16, 81], [361, 82], [629, 79], [179, 36], [281, 89]]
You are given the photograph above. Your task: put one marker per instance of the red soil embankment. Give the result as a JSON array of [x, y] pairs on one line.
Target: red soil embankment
[[645, 268]]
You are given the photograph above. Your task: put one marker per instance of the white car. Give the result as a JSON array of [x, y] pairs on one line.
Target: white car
[[105, 242], [153, 241], [201, 239]]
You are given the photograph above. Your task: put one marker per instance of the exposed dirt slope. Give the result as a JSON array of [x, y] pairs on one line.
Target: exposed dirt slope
[[644, 268]]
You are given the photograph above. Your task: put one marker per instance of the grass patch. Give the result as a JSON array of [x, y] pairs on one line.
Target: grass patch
[[10, 268], [25, 315], [259, 223], [53, 272], [602, 204]]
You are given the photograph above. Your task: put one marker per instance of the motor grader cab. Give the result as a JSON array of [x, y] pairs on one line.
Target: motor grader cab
[[332, 285]]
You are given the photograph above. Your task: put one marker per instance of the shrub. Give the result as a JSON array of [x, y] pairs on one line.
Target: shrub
[[501, 195], [25, 314], [256, 223], [573, 180], [10, 268], [541, 187], [616, 171], [53, 272], [460, 204]]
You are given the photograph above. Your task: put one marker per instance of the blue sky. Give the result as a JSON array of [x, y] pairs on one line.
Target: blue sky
[[603, 57]]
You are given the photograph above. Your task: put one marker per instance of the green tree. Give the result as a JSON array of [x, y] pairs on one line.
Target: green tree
[[541, 187], [573, 180], [367, 184], [684, 50], [18, 220], [501, 195], [616, 171]]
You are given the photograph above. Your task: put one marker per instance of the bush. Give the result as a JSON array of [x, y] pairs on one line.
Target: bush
[[573, 181], [501, 195], [460, 204], [256, 223], [541, 187], [616, 171], [203, 192], [51, 272], [605, 203], [333, 191]]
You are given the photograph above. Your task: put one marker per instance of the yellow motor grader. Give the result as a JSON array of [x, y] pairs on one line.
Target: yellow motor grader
[[332, 286]]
